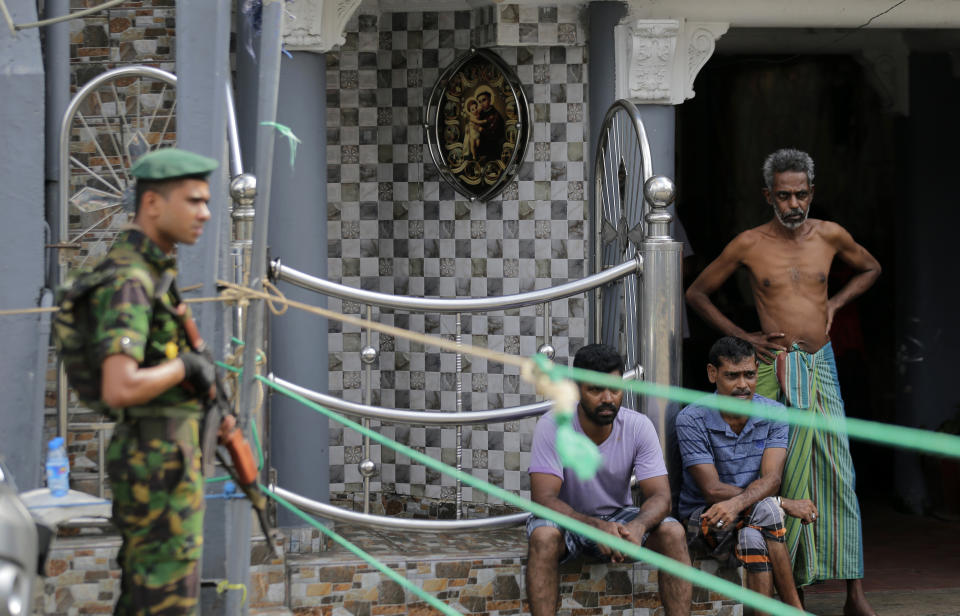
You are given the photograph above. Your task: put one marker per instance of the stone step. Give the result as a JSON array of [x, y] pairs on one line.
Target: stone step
[[475, 573], [492, 585], [270, 611]]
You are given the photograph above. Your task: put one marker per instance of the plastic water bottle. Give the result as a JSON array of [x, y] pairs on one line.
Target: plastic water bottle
[[58, 467]]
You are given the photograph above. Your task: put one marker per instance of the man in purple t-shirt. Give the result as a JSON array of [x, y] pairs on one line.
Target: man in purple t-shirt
[[628, 443]]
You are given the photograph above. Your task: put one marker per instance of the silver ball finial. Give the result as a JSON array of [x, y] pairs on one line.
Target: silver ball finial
[[659, 191], [273, 271], [368, 354], [548, 350], [244, 186], [367, 467]]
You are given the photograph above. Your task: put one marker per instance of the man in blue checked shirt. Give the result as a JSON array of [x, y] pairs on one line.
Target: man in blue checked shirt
[[732, 466]]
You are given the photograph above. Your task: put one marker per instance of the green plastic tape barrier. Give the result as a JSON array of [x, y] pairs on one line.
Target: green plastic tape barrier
[[576, 450], [576, 455], [887, 434], [292, 140], [632, 550], [390, 573]]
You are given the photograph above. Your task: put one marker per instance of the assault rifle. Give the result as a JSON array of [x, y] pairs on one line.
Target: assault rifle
[[220, 427]]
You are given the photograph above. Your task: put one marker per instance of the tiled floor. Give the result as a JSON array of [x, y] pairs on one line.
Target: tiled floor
[[940, 602], [911, 562], [906, 552], [506, 542]]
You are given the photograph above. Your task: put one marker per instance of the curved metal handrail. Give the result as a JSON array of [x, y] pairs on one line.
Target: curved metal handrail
[[451, 305], [63, 189], [64, 176], [126, 71], [636, 121], [365, 519], [427, 418], [233, 138], [606, 167]]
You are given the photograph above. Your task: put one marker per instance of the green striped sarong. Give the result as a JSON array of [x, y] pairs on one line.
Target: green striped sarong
[[818, 467]]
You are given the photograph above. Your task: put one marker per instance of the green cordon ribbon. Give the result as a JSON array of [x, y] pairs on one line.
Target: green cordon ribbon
[[292, 140], [897, 436], [888, 434], [577, 452], [632, 550], [390, 573]]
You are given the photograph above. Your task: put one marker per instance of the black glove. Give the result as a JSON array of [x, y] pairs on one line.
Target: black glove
[[199, 371]]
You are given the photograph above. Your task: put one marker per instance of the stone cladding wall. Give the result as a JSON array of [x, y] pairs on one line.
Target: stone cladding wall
[[83, 578], [136, 32]]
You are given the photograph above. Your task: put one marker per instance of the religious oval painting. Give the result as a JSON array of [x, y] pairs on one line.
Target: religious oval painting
[[477, 124]]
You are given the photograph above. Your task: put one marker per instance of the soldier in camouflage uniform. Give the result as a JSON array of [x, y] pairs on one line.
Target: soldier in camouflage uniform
[[154, 384]]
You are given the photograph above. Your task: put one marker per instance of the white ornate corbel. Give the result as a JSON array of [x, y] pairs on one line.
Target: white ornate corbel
[[658, 59], [316, 25]]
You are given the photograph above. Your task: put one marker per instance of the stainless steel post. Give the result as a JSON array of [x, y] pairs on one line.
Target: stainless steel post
[[547, 347], [459, 410], [238, 272], [63, 392], [101, 461], [547, 334], [597, 302], [233, 138], [243, 191], [57, 77], [661, 297], [368, 399], [58, 97], [238, 511]]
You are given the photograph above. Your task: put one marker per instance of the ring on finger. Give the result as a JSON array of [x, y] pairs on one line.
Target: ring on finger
[[720, 524]]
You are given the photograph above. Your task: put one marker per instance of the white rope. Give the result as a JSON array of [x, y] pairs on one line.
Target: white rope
[[6, 16]]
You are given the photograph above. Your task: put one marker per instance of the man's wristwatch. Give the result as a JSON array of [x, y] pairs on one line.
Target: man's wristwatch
[[779, 501]]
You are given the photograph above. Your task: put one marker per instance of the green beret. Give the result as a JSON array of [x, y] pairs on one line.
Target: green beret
[[169, 163]]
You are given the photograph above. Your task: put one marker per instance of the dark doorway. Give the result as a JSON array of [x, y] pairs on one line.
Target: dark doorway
[[746, 107]]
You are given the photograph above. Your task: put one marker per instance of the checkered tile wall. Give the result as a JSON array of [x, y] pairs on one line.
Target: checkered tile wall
[[396, 227]]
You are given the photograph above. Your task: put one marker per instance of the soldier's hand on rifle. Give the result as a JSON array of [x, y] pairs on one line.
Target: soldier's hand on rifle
[[199, 372]]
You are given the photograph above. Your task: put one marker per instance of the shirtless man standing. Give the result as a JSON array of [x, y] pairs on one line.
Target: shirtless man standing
[[788, 260]]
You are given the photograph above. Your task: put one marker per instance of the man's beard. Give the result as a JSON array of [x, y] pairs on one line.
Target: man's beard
[[793, 223], [602, 420]]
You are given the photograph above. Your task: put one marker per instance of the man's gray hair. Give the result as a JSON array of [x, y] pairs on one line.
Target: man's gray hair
[[787, 159]]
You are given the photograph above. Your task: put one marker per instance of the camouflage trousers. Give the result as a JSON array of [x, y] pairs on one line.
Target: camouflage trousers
[[157, 483]]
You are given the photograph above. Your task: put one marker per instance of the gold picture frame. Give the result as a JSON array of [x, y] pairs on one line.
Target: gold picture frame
[[478, 126]]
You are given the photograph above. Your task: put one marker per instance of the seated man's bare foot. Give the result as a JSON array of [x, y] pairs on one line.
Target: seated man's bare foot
[[858, 606]]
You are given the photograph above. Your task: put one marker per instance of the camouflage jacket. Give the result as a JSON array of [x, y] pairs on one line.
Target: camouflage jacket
[[132, 321]]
